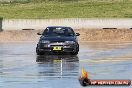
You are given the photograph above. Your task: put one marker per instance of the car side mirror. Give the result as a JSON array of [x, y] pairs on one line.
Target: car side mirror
[[77, 34], [39, 34]]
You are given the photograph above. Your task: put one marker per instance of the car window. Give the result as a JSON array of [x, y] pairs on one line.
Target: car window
[[58, 31]]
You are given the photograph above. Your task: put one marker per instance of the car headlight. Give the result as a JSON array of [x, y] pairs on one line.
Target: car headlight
[[44, 41], [69, 42]]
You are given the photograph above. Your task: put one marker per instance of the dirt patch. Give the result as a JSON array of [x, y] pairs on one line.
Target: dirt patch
[[105, 35], [100, 35], [17, 35]]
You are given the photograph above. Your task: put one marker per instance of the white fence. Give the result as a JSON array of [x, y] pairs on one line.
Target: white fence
[[76, 23]]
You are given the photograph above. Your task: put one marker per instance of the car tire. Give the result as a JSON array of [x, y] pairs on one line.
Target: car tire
[[39, 52], [74, 53]]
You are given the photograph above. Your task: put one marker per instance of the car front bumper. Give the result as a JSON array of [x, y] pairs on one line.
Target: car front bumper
[[51, 50], [64, 47]]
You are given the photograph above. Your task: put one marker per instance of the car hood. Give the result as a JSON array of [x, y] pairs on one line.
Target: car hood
[[58, 38]]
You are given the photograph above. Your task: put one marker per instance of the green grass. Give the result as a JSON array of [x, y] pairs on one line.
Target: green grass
[[66, 9]]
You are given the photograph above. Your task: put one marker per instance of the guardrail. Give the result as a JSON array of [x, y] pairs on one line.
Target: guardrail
[[76, 23]]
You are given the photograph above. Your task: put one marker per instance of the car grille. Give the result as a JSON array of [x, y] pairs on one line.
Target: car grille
[[57, 41], [56, 45]]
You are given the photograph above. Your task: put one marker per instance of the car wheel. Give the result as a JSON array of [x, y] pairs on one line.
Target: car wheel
[[39, 52], [74, 53]]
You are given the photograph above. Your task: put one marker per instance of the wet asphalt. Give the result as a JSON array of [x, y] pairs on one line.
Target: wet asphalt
[[20, 67]]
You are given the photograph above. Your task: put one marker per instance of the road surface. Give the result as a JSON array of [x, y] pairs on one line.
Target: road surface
[[20, 67]]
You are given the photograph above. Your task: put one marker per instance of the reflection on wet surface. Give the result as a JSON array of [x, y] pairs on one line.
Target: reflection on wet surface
[[20, 66], [58, 65]]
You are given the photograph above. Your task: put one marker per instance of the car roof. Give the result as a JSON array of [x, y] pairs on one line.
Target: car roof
[[59, 26]]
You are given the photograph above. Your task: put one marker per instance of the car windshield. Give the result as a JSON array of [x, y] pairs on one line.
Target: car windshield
[[58, 31]]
